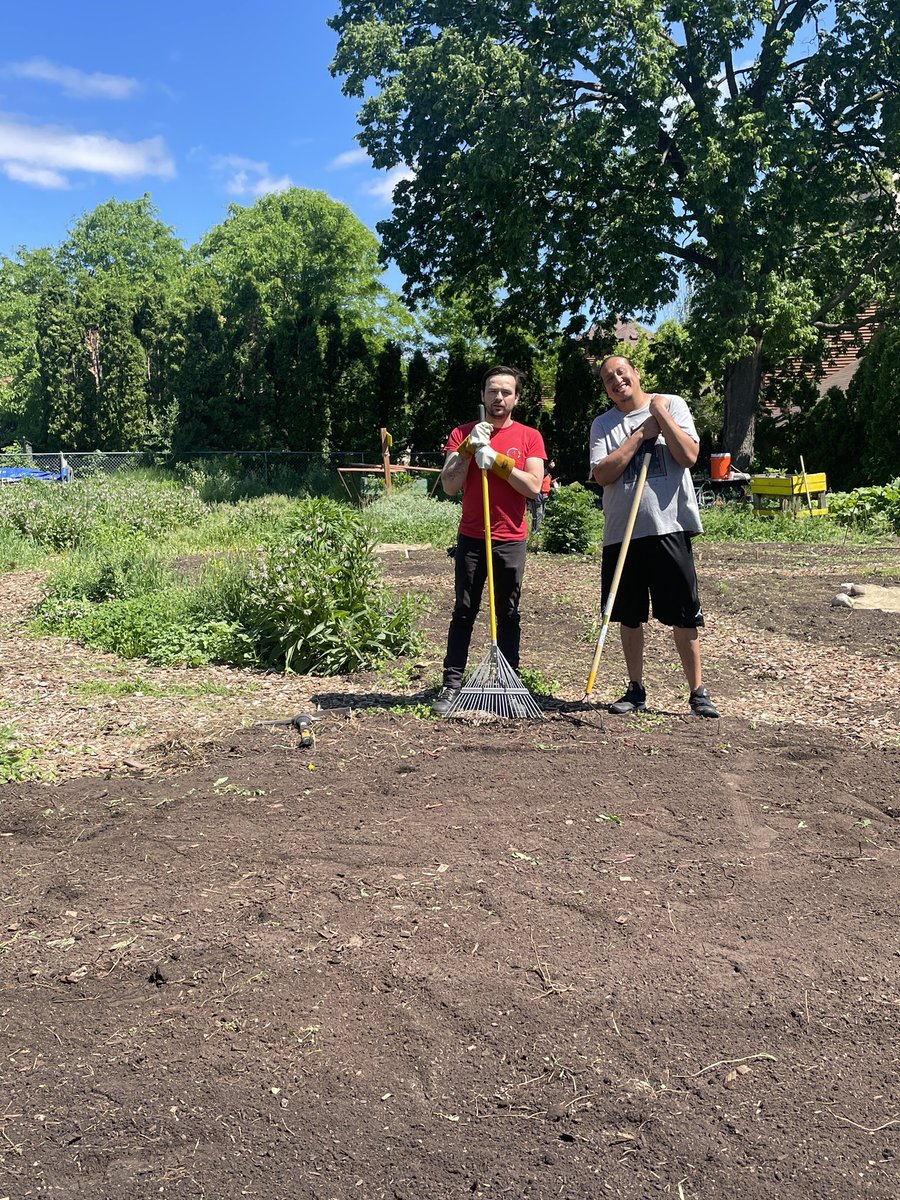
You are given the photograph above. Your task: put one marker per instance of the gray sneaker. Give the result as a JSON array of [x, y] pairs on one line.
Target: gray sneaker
[[444, 700], [634, 700]]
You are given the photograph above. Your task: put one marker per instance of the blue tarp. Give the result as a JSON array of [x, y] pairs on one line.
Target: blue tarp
[[17, 474]]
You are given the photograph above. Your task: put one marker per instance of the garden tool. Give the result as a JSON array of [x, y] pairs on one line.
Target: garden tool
[[620, 565]]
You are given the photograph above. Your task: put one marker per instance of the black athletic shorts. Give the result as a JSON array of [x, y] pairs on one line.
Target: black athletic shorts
[[658, 569]]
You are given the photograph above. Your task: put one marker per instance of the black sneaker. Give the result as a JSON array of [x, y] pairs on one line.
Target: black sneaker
[[634, 700], [701, 703], [444, 700]]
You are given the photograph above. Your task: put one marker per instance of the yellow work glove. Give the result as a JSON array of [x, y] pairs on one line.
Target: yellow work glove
[[489, 460]]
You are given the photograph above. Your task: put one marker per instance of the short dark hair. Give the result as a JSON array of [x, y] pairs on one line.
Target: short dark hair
[[603, 361], [518, 376]]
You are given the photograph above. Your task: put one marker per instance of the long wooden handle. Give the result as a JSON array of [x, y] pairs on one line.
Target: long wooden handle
[[620, 566], [806, 483]]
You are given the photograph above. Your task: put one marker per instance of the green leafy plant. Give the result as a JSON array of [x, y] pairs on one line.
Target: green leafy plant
[[18, 763], [573, 523], [96, 509], [538, 682], [316, 604], [876, 510]]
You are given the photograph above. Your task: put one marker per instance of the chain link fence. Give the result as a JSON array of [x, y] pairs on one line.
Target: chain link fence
[[252, 462]]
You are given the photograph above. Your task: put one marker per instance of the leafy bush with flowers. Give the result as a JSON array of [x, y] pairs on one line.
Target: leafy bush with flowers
[[60, 517], [314, 604]]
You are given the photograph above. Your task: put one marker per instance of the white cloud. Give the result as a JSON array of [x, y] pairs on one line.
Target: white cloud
[[43, 177], [349, 158], [79, 84], [250, 178], [41, 154], [383, 189]]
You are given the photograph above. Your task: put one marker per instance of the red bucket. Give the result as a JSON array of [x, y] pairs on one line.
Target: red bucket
[[719, 466]]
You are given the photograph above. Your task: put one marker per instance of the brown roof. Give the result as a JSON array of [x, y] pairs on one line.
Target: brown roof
[[841, 357]]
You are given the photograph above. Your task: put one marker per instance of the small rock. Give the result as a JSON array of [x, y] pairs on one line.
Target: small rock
[[856, 590], [841, 601], [846, 588]]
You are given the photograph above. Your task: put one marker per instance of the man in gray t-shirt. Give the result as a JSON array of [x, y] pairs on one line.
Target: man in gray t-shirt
[[659, 564]]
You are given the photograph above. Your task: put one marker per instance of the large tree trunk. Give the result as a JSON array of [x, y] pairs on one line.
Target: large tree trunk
[[742, 385]]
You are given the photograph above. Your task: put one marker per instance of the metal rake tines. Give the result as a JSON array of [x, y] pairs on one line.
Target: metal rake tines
[[495, 689]]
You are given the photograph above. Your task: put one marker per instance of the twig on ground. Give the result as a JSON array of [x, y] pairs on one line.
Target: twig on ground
[[727, 1062], [895, 1120]]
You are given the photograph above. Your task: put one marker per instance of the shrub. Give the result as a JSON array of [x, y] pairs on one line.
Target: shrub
[[163, 627], [573, 524], [115, 569], [315, 605], [876, 510]]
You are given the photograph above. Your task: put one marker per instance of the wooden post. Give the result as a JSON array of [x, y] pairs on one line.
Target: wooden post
[[386, 442]]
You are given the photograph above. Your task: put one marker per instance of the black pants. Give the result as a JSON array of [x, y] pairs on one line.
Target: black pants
[[471, 573]]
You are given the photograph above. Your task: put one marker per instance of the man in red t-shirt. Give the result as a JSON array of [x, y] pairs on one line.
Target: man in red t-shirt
[[513, 455]]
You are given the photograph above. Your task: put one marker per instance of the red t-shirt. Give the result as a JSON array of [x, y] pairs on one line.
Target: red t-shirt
[[507, 506]]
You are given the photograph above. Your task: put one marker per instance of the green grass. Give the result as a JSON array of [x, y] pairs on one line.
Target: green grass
[[19, 553], [420, 520], [739, 523]]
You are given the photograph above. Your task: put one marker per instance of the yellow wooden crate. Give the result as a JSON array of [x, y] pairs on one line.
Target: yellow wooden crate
[[788, 485]]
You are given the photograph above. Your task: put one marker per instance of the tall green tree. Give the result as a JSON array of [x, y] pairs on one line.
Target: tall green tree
[[355, 421], [125, 270], [300, 246], [427, 433], [874, 396], [64, 371], [390, 393], [205, 418], [24, 281], [578, 399], [593, 156]]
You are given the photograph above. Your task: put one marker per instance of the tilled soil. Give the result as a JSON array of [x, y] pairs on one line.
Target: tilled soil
[[588, 956]]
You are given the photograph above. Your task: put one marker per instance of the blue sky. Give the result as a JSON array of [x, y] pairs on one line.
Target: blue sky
[[199, 104]]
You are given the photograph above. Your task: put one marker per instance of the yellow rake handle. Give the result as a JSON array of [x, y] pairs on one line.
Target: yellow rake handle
[[485, 495], [620, 565]]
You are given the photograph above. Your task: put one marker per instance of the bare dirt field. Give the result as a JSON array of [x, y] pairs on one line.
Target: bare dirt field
[[582, 957]]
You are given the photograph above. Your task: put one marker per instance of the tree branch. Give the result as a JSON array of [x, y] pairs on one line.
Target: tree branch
[[689, 254], [845, 293]]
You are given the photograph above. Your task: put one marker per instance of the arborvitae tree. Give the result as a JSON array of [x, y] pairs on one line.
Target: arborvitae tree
[[579, 398], [874, 393], [61, 353], [390, 394], [354, 413], [205, 417], [460, 390], [833, 439], [302, 416], [247, 332], [426, 422], [118, 365], [23, 282]]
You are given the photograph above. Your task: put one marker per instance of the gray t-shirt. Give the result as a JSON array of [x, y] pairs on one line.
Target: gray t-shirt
[[668, 504]]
